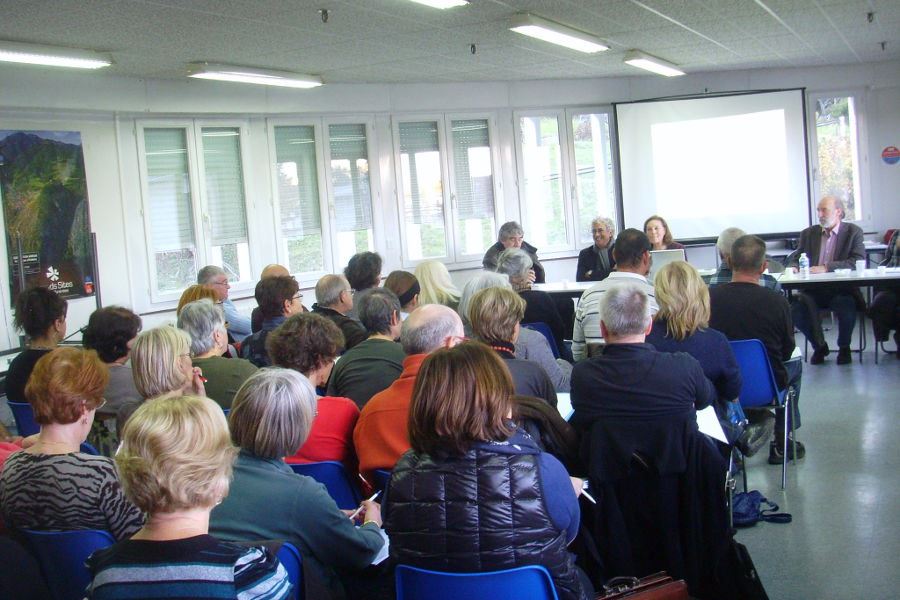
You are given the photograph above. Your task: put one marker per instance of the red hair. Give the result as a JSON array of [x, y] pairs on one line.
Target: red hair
[[64, 383]]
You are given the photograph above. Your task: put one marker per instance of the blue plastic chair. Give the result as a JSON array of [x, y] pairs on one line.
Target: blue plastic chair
[[544, 330], [332, 475], [24, 417], [61, 555], [89, 448], [759, 390], [290, 557], [522, 583]]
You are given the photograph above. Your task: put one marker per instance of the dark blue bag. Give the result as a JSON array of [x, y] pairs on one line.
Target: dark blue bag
[[751, 507]]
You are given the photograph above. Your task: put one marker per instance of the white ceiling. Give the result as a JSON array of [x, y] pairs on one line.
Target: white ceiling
[[384, 41]]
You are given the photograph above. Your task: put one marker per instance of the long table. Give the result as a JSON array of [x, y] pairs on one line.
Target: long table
[[869, 277]]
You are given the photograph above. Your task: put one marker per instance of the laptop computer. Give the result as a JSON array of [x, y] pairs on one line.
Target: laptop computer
[[660, 258]]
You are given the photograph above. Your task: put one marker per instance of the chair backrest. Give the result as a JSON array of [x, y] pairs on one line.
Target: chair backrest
[[61, 555], [293, 564], [24, 418], [522, 583], [544, 330], [758, 381], [332, 475], [89, 448], [381, 476]]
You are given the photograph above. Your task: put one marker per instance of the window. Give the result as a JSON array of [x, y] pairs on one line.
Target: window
[[350, 192], [566, 175], [195, 204], [440, 159], [837, 155]]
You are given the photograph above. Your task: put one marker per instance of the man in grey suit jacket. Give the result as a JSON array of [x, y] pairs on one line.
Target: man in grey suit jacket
[[830, 245]]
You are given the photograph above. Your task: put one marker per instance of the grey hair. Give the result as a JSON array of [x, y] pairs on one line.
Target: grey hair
[[482, 281], [625, 309], [508, 230], [329, 288], [206, 274], [606, 222], [840, 205], [514, 263], [200, 319], [726, 240], [273, 412], [427, 327], [377, 308]]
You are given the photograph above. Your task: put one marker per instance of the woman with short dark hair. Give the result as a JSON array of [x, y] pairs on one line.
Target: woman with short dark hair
[[41, 314], [111, 331]]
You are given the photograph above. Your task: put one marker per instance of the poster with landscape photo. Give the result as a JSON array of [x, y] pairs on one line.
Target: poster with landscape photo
[[45, 211]]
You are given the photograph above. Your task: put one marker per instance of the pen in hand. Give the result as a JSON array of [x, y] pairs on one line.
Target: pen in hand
[[359, 510]]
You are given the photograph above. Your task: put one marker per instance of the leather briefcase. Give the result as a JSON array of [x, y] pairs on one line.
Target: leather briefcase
[[658, 586]]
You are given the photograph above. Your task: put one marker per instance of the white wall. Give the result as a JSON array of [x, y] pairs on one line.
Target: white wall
[[105, 109]]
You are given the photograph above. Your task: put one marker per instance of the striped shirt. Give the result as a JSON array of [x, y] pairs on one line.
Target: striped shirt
[[200, 567], [587, 315]]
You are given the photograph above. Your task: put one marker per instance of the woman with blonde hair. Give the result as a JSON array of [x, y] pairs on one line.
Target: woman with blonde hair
[[437, 287], [175, 462]]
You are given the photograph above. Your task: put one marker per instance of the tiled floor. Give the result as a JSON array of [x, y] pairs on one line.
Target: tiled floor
[[844, 541]]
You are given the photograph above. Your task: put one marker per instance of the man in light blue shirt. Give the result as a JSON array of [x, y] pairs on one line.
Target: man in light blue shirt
[[217, 280]]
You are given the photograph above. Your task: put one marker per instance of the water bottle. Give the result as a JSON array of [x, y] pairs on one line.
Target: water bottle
[[804, 264]]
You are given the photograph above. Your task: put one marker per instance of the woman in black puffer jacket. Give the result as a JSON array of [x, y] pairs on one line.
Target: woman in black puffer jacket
[[474, 493]]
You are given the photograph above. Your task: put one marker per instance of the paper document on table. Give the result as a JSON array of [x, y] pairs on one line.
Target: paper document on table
[[708, 423]]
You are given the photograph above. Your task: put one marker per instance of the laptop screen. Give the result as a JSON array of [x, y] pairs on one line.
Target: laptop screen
[[660, 258]]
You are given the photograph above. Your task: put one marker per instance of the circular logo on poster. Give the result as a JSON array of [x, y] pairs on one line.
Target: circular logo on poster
[[891, 155]]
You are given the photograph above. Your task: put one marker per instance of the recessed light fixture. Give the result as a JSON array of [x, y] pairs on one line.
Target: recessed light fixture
[[556, 33], [442, 3], [253, 75], [651, 63], [52, 56]]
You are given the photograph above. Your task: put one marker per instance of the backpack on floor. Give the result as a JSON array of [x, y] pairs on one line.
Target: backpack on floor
[[751, 507]]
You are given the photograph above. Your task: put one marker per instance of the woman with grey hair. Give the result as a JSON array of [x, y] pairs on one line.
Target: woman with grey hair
[[531, 345], [511, 235], [270, 418], [204, 321]]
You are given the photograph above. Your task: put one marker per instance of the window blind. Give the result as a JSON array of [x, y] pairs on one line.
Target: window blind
[[169, 189], [421, 171], [472, 169], [350, 177], [298, 185], [224, 185]]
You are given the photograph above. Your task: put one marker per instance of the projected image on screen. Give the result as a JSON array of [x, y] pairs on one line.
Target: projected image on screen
[[710, 163]]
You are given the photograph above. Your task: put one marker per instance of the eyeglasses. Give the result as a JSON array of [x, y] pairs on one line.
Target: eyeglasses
[[298, 297], [223, 282], [598, 231], [100, 405]]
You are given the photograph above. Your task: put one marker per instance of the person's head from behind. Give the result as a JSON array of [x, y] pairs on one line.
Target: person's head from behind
[[515, 264], [831, 211], [511, 235], [216, 279], [161, 362], [41, 313], [196, 292], [363, 270], [66, 386], [657, 231], [176, 455], [495, 314], [683, 299], [462, 395], [602, 231], [632, 252], [272, 413], [437, 286], [307, 343], [407, 288], [274, 270], [748, 256], [726, 240], [110, 332], [481, 281], [625, 314], [430, 327], [334, 292], [379, 312], [278, 297], [204, 321]]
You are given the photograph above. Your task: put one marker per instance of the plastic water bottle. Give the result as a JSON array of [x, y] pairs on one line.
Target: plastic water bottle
[[804, 264]]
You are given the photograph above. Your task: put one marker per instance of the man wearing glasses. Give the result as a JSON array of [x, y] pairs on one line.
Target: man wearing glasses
[[217, 280], [596, 262]]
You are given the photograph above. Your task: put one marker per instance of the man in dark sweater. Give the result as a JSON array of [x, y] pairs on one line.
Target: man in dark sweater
[[745, 310], [334, 299]]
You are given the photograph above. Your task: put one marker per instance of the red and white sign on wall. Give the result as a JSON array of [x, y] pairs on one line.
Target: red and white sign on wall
[[891, 155]]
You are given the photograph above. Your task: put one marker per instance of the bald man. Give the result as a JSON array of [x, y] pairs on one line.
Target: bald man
[[381, 435], [273, 270]]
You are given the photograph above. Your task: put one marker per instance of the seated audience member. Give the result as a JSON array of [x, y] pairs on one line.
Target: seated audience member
[[539, 306], [363, 273], [884, 309], [596, 261], [374, 364], [278, 299], [52, 485], [41, 314], [657, 231], [407, 288], [334, 299], [512, 236], [217, 279], [8, 444], [271, 417], [723, 273], [437, 287], [204, 322], [830, 245], [309, 344], [744, 310], [495, 314], [632, 254], [381, 435], [531, 345], [272, 270], [195, 292], [176, 462], [161, 366], [629, 378], [682, 325], [110, 332], [461, 435]]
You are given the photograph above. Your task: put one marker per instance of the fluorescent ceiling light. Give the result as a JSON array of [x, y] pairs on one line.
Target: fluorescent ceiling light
[[648, 62], [442, 3], [252, 75], [556, 33], [52, 56]]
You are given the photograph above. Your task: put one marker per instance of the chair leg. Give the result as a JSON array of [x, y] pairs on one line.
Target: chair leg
[[744, 470], [784, 456], [793, 441]]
